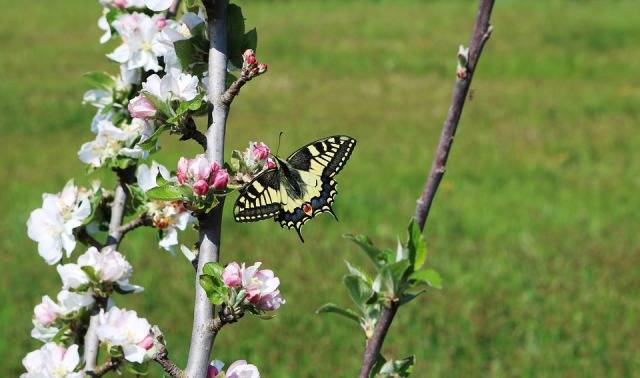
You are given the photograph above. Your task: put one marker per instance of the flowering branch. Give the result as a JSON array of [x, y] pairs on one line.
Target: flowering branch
[[210, 223], [467, 65], [250, 69]]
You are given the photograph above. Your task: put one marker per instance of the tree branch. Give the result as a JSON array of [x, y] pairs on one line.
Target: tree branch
[[86, 238], [480, 35], [210, 224], [142, 220], [111, 364], [481, 32]]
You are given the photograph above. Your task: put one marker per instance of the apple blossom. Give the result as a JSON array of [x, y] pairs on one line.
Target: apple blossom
[[147, 176], [52, 225], [137, 31], [262, 287], [123, 328], [158, 5], [240, 369], [113, 141], [52, 360]]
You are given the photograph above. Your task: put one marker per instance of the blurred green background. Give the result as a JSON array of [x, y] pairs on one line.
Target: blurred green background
[[534, 228]]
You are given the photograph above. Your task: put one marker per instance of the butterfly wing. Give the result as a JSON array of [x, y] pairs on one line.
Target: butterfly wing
[[260, 199], [308, 187]]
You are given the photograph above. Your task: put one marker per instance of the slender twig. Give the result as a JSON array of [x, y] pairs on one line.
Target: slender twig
[[190, 131], [142, 220], [86, 238], [480, 35], [111, 364], [161, 354], [224, 317], [374, 344], [481, 32], [233, 91], [210, 225], [173, 9]]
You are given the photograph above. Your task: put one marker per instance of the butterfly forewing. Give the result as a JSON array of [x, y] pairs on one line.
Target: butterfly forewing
[[260, 199], [324, 157]]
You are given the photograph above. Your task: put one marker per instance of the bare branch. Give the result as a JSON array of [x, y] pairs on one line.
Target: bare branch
[[112, 364], [481, 32]]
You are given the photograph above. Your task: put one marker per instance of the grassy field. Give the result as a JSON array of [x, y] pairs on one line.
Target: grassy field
[[534, 229]]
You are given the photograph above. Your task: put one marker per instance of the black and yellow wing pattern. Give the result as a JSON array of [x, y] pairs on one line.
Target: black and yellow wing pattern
[[298, 188]]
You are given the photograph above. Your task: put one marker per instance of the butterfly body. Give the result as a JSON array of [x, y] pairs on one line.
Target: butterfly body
[[298, 188]]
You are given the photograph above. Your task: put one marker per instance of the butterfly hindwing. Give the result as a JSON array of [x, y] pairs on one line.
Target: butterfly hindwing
[[299, 188]]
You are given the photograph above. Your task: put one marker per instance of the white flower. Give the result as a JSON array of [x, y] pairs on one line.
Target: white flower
[[72, 276], [147, 175], [98, 98], [104, 25], [137, 31], [183, 85], [112, 141], [71, 302], [52, 225], [124, 328], [52, 360], [158, 5], [240, 369]]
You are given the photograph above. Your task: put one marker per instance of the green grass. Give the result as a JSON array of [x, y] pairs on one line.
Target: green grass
[[534, 228]]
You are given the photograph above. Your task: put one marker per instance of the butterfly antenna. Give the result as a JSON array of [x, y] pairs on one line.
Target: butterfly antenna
[[279, 138]]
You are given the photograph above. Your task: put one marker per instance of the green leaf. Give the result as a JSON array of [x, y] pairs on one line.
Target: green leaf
[[397, 368], [215, 289], [150, 143], [359, 291], [213, 269], [335, 309], [250, 40], [428, 277], [137, 368], [100, 80], [394, 275], [190, 3], [170, 192], [417, 246], [235, 34], [408, 297], [376, 255]]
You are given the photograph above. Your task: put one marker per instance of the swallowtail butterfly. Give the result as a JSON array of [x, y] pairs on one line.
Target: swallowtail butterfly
[[298, 188]]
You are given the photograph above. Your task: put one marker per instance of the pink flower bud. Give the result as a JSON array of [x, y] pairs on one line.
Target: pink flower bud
[[120, 3], [271, 164], [161, 23], [146, 343], [262, 68], [141, 107], [183, 165], [220, 179], [44, 314], [261, 151], [231, 275], [200, 187], [251, 60], [247, 53], [214, 368], [254, 71]]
